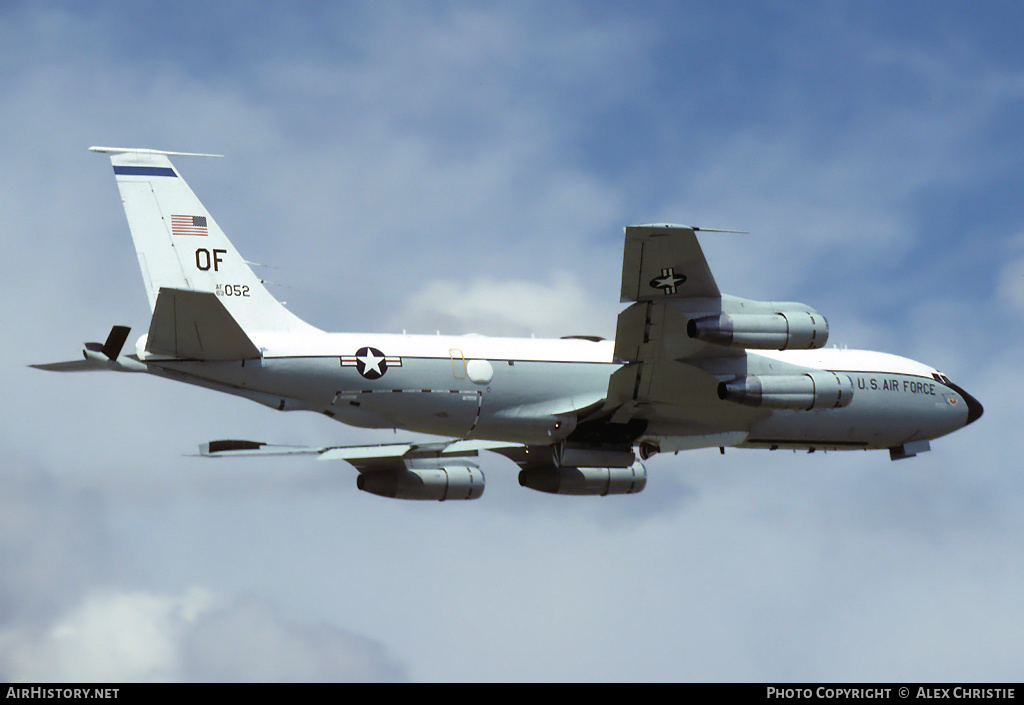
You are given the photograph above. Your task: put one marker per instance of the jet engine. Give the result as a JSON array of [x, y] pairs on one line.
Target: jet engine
[[585, 481], [813, 390], [439, 482], [783, 330]]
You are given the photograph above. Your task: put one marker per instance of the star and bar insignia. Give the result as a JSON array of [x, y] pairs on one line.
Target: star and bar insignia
[[371, 363], [668, 281]]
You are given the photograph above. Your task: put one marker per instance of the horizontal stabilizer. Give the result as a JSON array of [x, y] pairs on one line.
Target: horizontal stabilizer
[[86, 365], [99, 356], [195, 325]]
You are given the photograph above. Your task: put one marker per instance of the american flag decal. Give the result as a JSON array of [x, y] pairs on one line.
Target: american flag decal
[[188, 225]]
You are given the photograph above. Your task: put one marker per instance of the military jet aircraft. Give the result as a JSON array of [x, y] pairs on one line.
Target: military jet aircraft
[[690, 367]]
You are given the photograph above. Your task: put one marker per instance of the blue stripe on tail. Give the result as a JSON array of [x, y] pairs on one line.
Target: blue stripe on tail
[[144, 171]]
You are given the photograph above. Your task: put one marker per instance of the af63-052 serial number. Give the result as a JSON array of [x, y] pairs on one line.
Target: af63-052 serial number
[[232, 290]]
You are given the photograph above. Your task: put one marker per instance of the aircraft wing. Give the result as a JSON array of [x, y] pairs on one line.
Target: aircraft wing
[[667, 373], [368, 458], [432, 470]]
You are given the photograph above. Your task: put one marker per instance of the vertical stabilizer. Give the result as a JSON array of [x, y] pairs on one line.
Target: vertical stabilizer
[[181, 247]]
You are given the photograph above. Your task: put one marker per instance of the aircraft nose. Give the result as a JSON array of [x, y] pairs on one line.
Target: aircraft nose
[[974, 407]]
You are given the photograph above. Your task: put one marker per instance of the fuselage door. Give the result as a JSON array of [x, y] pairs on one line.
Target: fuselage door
[[458, 363]]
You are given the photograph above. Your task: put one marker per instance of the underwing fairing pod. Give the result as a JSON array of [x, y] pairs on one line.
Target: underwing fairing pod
[[813, 390], [784, 330]]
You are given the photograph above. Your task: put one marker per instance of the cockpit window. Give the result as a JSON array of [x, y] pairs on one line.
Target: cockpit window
[[939, 377]]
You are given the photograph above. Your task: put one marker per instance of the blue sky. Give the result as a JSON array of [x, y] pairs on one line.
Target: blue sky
[[468, 167]]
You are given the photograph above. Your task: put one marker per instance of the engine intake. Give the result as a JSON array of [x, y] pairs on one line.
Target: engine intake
[[585, 481], [784, 330], [440, 483], [813, 390]]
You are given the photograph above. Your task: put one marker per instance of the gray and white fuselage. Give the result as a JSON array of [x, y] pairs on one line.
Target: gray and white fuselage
[[530, 390]]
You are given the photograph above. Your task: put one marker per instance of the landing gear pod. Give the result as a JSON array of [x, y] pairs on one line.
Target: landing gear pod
[[586, 481], [440, 483]]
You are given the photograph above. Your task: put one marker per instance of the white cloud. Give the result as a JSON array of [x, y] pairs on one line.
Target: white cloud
[[70, 608], [1010, 278], [139, 636], [109, 637], [251, 640], [509, 307]]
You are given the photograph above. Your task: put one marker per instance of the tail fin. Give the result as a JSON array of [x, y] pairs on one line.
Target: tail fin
[[181, 247]]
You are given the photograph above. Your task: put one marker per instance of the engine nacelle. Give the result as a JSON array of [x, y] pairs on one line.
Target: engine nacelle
[[586, 481], [784, 330], [813, 390], [440, 483]]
